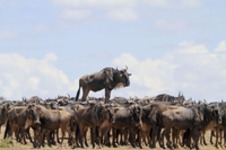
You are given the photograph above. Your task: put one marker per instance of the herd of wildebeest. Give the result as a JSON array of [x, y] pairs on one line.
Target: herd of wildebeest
[[164, 120]]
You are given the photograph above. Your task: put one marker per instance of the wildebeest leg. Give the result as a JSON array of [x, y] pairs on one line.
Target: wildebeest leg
[[167, 135], [57, 134], [149, 134], [220, 130], [152, 136], [38, 135], [125, 133], [212, 134], [195, 137], [114, 134], [139, 132], [132, 137], [107, 95], [100, 136], [143, 135], [7, 130], [62, 135], [204, 138], [224, 137], [85, 93], [162, 138], [86, 142], [92, 136], [17, 134], [217, 134], [106, 136], [74, 133], [189, 136], [201, 137], [28, 135], [175, 136], [155, 134], [48, 136], [80, 138], [52, 135], [81, 135], [23, 135], [186, 138]]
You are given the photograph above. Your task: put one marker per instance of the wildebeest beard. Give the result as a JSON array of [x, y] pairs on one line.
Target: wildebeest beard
[[119, 85]]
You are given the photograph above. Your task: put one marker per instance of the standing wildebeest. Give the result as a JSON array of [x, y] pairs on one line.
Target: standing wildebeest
[[48, 120], [193, 118], [108, 79]]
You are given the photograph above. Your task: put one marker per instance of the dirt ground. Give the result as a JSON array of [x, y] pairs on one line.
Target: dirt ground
[[18, 146]]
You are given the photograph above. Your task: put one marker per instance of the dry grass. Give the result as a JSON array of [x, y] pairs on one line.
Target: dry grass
[[18, 146]]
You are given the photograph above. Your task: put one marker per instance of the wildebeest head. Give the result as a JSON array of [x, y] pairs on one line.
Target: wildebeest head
[[180, 98], [136, 114], [122, 77], [218, 113], [32, 117], [99, 112], [212, 112]]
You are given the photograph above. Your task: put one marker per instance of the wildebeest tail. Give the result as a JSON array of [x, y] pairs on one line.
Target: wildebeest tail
[[7, 130], [78, 92]]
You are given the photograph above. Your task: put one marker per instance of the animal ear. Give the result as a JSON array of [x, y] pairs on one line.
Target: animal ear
[[126, 67], [179, 94]]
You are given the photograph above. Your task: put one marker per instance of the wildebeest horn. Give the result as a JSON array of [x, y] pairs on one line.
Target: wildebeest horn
[[126, 67], [68, 95], [179, 94]]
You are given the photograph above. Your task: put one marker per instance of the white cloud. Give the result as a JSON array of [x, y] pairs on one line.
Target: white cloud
[[22, 76], [95, 3], [190, 3], [173, 3], [8, 35], [126, 3], [1, 3], [160, 3], [221, 47], [123, 15], [171, 26], [42, 27], [70, 14], [192, 68], [117, 10]]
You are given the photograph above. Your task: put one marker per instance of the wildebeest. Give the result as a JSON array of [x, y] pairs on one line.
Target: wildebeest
[[93, 116], [168, 98], [16, 122], [3, 113], [49, 120], [108, 79], [128, 120], [194, 118]]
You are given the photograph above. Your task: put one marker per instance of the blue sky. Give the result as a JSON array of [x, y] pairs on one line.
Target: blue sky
[[168, 45]]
